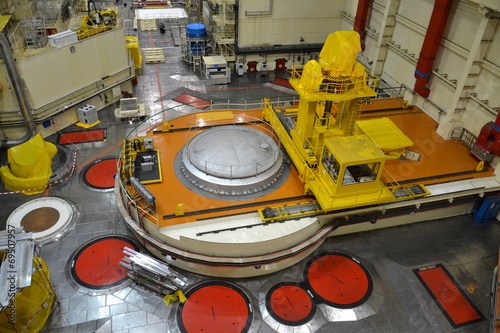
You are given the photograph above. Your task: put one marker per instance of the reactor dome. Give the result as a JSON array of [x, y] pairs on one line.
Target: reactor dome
[[232, 162]]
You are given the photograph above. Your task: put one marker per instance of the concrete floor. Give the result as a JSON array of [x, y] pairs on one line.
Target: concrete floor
[[468, 250]]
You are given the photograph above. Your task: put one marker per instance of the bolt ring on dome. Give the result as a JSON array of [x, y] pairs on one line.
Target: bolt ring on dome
[[236, 161]]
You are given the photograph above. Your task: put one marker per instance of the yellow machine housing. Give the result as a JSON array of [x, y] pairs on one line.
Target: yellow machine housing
[[350, 173]]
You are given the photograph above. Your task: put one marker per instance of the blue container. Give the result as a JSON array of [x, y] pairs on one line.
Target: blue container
[[488, 209], [196, 30]]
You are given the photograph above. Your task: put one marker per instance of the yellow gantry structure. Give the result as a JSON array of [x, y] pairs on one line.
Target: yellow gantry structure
[[339, 161]]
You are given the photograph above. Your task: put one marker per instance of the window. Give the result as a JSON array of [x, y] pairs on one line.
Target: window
[[331, 165], [361, 173]]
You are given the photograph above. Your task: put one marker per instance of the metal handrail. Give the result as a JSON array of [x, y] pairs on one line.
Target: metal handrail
[[337, 85], [221, 120], [214, 105], [156, 119]]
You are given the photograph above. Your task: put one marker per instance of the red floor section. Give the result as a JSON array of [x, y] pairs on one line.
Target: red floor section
[[101, 174], [214, 309], [192, 100], [97, 264], [81, 136], [453, 301], [282, 82], [291, 303], [339, 280]]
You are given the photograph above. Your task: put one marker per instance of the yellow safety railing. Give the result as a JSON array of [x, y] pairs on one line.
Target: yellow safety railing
[[317, 82]]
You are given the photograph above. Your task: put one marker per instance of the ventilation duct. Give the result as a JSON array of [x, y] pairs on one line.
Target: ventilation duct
[[430, 47], [360, 20]]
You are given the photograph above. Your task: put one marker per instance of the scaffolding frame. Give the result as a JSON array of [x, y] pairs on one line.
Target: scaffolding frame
[[47, 9], [34, 30], [223, 27]]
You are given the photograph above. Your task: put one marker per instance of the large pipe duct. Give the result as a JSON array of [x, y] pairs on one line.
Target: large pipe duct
[[360, 20], [430, 47], [19, 90]]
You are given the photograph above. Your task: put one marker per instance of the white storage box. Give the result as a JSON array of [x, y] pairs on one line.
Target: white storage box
[[63, 38]]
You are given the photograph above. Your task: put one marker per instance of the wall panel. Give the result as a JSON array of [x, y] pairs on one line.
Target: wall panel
[[287, 22], [58, 72]]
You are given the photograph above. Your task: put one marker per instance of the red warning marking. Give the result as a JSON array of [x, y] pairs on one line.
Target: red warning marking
[[282, 82], [455, 304], [81, 136], [192, 100]]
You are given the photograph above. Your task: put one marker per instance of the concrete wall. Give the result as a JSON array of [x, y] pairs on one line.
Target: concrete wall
[[58, 81], [285, 22], [262, 24], [59, 72], [396, 31], [465, 84]]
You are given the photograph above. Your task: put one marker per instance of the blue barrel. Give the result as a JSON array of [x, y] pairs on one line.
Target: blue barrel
[[196, 30]]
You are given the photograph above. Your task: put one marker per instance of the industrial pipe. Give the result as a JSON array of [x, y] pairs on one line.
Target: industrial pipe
[[430, 47], [18, 87], [360, 20]]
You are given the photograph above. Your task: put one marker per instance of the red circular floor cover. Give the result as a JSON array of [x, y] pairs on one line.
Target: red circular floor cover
[[97, 266], [215, 308], [339, 280], [291, 303], [100, 175]]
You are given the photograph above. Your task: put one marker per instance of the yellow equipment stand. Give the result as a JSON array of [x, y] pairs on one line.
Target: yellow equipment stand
[[338, 163]]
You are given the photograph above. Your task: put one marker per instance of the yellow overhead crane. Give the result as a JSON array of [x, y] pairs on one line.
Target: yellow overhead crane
[[339, 161]]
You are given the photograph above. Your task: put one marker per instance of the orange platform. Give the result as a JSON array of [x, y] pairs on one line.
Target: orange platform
[[440, 161]]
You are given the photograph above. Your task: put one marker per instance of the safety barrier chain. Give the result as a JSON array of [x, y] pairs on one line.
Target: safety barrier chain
[[72, 171]]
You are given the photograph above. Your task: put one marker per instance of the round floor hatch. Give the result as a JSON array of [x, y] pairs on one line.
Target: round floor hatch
[[339, 279], [96, 264], [214, 307], [290, 304], [48, 218], [100, 175]]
